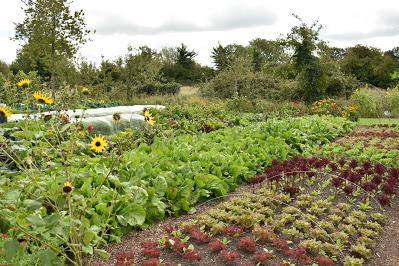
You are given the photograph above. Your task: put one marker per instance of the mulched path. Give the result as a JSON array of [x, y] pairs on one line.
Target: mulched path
[[386, 252]]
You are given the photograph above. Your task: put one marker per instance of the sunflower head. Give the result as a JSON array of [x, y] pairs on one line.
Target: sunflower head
[[43, 98], [68, 188], [116, 117], [98, 144], [85, 91], [23, 83], [4, 112], [149, 118]]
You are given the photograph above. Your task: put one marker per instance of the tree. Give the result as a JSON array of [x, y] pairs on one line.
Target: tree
[[142, 67], [4, 68], [370, 65], [303, 39], [221, 57], [51, 30], [272, 52], [185, 58], [394, 54], [180, 65]]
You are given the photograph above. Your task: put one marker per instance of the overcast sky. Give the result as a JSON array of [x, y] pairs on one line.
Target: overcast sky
[[201, 24]]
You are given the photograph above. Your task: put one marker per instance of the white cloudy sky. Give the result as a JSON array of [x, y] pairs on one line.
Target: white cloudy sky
[[201, 24]]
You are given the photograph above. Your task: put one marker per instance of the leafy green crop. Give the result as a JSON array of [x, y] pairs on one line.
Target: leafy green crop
[[114, 194]]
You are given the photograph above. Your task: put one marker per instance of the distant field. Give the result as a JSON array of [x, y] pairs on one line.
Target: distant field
[[375, 121], [187, 91]]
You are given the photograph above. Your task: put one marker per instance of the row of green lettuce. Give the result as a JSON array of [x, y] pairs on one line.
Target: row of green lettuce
[[115, 193], [358, 151]]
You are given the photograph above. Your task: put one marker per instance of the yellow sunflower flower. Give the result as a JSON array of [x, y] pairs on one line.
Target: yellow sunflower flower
[[67, 187], [43, 98], [98, 144], [24, 83], [5, 111], [116, 117], [85, 91], [148, 117]]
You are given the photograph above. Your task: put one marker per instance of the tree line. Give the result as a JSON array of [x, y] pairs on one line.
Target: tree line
[[297, 66]]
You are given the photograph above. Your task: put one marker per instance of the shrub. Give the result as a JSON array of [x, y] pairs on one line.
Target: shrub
[[227, 84], [392, 100], [160, 88]]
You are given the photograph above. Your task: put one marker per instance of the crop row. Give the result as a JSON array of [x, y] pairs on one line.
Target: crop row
[[378, 144]]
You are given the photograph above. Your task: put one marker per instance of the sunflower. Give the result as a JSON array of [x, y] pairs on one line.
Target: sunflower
[[67, 187], [98, 144], [116, 117], [42, 98], [148, 117], [24, 83], [4, 111], [85, 91]]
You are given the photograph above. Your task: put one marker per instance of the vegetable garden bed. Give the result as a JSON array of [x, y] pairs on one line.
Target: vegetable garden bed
[[302, 211], [80, 201]]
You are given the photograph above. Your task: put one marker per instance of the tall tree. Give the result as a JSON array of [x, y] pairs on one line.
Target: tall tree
[[53, 29], [304, 39], [185, 57], [4, 68], [221, 57], [369, 64]]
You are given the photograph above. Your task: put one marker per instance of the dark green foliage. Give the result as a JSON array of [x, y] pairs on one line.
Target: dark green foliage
[[370, 65], [4, 68], [185, 57], [160, 88], [252, 85], [312, 78], [51, 33], [221, 57]]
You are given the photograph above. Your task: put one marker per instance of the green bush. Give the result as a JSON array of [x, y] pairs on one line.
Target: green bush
[[392, 100], [160, 88], [228, 84], [375, 102]]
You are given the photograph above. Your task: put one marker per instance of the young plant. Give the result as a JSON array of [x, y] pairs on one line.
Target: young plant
[[361, 250], [125, 258], [232, 230], [324, 261], [311, 245], [351, 261], [151, 262], [262, 256], [229, 256], [216, 245], [263, 233], [247, 244]]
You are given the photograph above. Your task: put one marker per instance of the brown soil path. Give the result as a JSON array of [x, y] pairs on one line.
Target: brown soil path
[[386, 252]]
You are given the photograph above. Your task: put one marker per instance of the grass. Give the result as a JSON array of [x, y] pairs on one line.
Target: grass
[[376, 121], [188, 91]]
